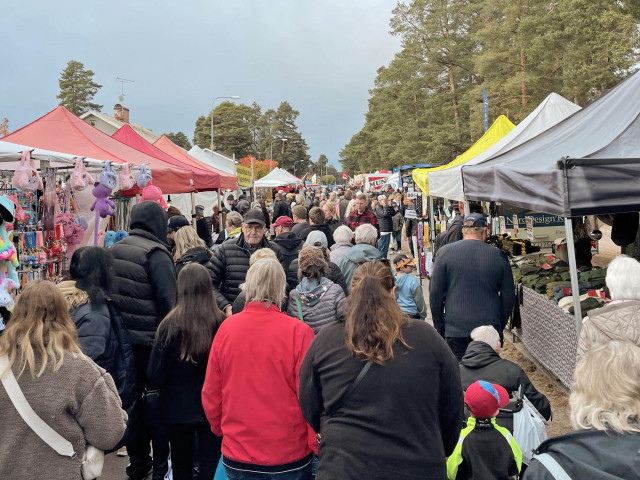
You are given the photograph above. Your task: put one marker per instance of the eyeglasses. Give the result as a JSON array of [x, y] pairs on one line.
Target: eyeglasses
[[253, 227]]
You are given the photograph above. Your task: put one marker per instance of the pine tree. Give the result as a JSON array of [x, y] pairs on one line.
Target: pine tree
[[77, 88], [180, 139]]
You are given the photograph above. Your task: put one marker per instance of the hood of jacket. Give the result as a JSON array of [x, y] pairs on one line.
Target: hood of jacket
[[312, 291], [149, 217], [287, 240], [324, 228], [73, 295], [478, 355], [199, 255], [618, 320], [457, 220], [341, 246], [362, 252]]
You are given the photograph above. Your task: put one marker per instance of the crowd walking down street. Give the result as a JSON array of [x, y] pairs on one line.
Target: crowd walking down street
[[294, 342]]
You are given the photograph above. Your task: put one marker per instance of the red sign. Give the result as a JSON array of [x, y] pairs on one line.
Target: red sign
[[345, 176], [376, 182]]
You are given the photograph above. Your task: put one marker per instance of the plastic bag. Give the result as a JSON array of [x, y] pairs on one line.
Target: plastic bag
[[528, 429]]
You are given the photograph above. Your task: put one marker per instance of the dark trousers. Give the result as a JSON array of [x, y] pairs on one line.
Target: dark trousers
[[193, 444], [302, 474], [458, 345], [143, 432]]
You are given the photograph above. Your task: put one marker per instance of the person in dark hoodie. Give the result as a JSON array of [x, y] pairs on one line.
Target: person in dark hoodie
[[452, 234], [281, 207], [143, 290], [204, 226], [190, 248], [288, 242], [317, 223], [482, 362]]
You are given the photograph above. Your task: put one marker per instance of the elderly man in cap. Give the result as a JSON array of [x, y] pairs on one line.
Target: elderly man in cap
[[471, 285], [229, 265], [287, 242], [203, 226]]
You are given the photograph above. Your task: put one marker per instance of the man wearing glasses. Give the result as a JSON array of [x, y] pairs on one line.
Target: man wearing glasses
[[229, 265]]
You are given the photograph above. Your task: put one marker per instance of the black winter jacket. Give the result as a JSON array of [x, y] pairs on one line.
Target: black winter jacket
[[344, 203], [144, 278], [385, 217], [481, 362], [289, 244], [333, 273], [590, 454], [229, 265], [199, 255], [301, 229], [204, 228], [281, 208]]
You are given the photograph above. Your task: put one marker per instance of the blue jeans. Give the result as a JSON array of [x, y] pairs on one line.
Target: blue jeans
[[301, 474], [383, 244]]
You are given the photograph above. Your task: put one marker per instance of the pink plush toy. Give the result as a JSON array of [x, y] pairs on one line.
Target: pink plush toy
[[73, 233], [126, 179], [154, 194], [102, 206], [26, 175], [80, 178]]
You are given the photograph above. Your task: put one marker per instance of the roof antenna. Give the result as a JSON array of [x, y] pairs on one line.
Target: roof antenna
[[122, 80]]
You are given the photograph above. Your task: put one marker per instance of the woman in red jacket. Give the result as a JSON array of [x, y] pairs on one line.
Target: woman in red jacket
[[250, 393]]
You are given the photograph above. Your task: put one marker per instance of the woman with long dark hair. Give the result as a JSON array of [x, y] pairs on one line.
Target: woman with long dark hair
[[382, 389], [177, 370]]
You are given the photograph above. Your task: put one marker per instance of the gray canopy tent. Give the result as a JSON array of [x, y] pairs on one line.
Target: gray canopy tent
[[587, 164]]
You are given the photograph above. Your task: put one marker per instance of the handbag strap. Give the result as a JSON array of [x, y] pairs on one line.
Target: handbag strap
[[52, 438], [356, 382], [299, 305]]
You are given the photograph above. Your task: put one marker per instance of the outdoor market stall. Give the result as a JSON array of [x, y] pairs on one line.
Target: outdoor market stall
[[277, 177], [587, 164]]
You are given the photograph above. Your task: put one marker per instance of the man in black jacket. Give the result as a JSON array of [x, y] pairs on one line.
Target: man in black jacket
[[203, 226], [385, 213], [289, 244], [482, 362], [281, 207], [229, 265], [317, 223], [301, 227], [143, 290]]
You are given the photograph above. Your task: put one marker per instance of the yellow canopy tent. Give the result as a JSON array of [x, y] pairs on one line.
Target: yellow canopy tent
[[496, 131]]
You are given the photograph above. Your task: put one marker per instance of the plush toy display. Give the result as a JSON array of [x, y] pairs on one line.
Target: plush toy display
[[102, 206], [126, 179], [7, 209], [110, 239], [108, 177], [144, 177], [50, 203], [154, 194], [121, 234], [101, 236], [80, 178], [6, 299], [26, 175], [73, 233]]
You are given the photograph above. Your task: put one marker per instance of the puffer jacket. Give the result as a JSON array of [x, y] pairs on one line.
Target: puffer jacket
[[357, 254], [385, 217], [229, 265], [199, 255], [289, 245], [204, 228], [333, 273], [338, 251], [281, 208], [615, 321], [321, 303], [590, 454]]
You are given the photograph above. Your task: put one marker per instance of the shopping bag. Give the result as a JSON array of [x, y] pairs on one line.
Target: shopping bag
[[221, 474], [528, 429]]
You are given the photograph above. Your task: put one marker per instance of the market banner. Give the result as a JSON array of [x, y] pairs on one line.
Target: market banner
[[376, 182], [244, 176]]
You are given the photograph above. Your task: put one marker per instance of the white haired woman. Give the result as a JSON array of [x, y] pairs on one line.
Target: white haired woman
[[619, 319], [605, 411], [252, 377]]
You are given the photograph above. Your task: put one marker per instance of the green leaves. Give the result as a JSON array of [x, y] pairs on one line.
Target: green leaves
[[77, 88]]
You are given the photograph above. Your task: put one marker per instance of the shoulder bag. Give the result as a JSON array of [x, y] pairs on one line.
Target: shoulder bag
[[93, 460], [299, 305]]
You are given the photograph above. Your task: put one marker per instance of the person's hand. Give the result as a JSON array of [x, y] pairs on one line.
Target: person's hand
[[228, 310]]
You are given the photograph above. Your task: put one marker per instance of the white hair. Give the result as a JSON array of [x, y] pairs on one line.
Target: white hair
[[366, 233], [382, 197], [606, 391], [343, 234], [266, 282], [623, 278], [486, 334]]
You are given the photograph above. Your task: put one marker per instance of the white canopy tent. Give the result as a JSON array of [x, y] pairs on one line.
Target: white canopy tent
[[10, 154], [447, 183], [213, 159], [277, 178]]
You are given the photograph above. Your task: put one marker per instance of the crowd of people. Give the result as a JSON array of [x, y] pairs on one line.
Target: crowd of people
[[282, 342]]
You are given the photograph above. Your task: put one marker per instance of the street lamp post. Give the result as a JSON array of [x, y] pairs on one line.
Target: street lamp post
[[234, 97]]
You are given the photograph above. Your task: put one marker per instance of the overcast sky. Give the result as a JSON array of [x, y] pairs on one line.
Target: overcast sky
[[321, 56]]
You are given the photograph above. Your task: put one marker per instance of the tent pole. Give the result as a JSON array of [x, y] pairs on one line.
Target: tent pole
[[573, 271], [220, 225], [432, 222], [193, 209]]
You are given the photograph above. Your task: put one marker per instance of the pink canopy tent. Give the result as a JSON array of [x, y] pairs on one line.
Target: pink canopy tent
[[228, 181], [61, 131], [203, 178]]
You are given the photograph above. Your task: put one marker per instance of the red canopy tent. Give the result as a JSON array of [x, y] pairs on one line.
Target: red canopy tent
[[228, 181], [203, 178], [61, 131]]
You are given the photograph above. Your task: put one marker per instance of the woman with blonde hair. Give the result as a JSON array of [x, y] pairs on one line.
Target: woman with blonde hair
[[381, 388], [250, 391], [190, 248], [66, 389], [605, 411], [331, 216]]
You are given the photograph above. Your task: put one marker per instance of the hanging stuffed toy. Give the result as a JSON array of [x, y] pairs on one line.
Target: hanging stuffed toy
[[126, 179], [102, 206], [121, 234], [73, 233], [26, 175], [108, 177], [144, 177], [101, 235], [20, 214], [6, 299], [50, 203], [80, 178], [7, 210], [109, 239], [154, 194]]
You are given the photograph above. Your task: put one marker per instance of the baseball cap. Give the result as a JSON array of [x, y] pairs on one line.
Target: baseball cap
[[316, 239], [253, 215], [200, 210], [475, 220], [484, 398], [283, 221], [176, 222]]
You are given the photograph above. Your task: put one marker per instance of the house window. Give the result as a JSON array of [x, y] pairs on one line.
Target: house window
[[92, 123]]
